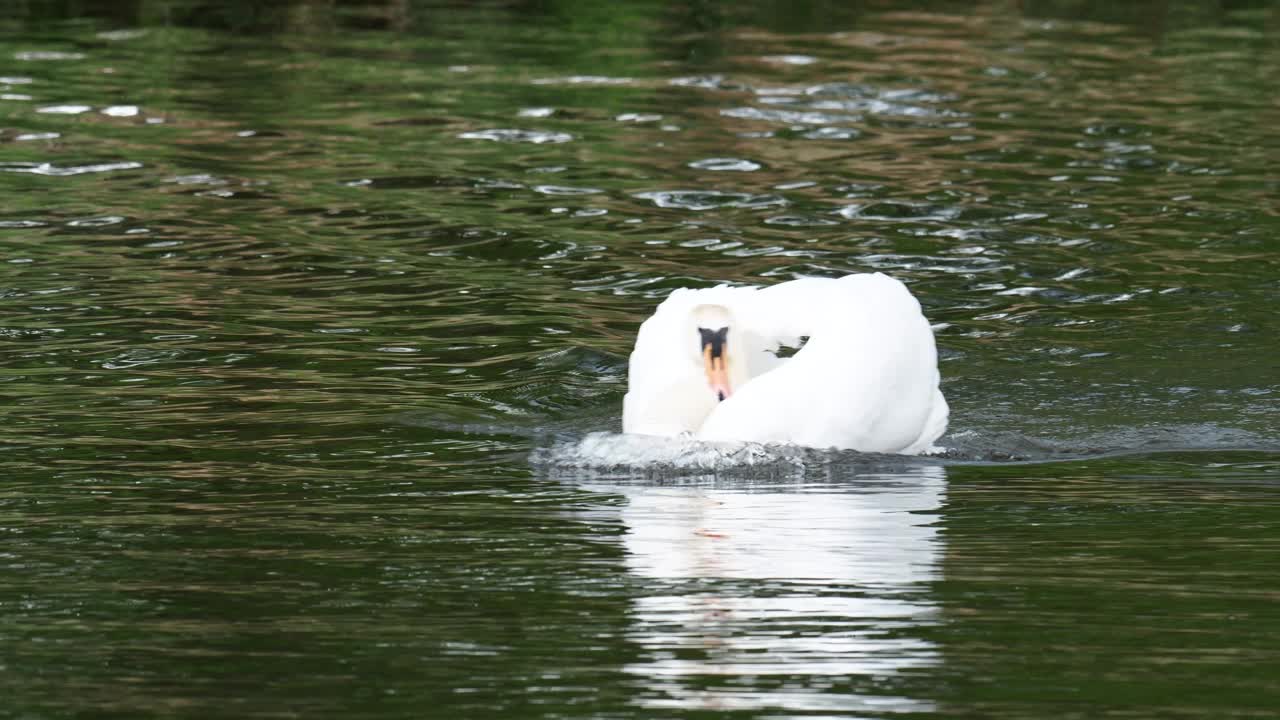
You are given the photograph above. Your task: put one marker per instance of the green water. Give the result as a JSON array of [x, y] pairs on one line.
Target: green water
[[305, 308]]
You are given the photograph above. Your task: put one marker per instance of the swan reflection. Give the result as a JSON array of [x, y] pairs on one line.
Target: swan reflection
[[788, 596]]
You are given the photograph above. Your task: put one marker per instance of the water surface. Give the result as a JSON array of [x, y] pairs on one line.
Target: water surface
[[307, 311]]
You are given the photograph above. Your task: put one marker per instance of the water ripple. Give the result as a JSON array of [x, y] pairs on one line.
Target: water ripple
[[726, 165], [64, 109], [45, 168], [37, 55], [709, 200], [583, 80], [536, 137], [564, 190]]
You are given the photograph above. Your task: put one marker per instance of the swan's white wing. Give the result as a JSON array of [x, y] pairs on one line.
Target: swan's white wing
[[654, 403], [782, 314], [666, 393], [867, 379]]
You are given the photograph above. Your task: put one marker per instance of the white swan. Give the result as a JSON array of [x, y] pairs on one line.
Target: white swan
[[706, 364]]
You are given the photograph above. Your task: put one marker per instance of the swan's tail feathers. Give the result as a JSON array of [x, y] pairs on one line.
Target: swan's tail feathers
[[934, 427]]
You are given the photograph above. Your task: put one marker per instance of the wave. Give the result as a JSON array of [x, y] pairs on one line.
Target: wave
[[610, 453]]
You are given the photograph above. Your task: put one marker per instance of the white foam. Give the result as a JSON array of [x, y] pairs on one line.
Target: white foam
[[602, 449]]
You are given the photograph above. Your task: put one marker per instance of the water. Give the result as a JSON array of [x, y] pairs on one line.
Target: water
[[313, 316]]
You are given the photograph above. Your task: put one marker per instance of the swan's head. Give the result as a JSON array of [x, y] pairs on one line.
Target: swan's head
[[713, 325]]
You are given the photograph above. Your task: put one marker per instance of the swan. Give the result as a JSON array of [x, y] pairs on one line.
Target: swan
[[706, 364]]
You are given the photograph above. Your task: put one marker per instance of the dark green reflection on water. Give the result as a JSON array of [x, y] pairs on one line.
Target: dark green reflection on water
[[1140, 586], [217, 597], [290, 291]]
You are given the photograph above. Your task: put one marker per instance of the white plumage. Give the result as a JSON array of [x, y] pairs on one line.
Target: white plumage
[[866, 379]]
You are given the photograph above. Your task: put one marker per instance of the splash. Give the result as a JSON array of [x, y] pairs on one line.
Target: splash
[[606, 450], [614, 455]]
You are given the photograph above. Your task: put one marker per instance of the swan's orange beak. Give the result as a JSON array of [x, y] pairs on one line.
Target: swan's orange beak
[[715, 361]]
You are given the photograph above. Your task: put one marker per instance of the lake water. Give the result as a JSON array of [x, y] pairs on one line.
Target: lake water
[[307, 309]]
